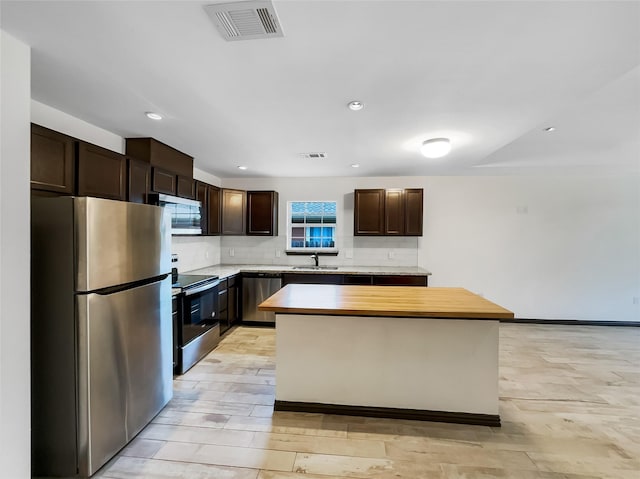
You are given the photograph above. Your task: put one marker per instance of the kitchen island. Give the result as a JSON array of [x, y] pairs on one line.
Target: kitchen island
[[387, 351]]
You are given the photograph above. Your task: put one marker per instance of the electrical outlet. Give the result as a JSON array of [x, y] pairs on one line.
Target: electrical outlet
[[348, 254], [232, 252], [522, 210], [636, 300], [391, 255], [206, 255], [278, 253]]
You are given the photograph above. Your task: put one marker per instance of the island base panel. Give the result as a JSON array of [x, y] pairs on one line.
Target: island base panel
[[446, 366]]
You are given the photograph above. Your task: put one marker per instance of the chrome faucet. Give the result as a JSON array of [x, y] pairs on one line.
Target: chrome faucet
[[315, 258]]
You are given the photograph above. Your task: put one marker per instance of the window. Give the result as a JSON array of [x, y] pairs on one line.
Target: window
[[311, 225]]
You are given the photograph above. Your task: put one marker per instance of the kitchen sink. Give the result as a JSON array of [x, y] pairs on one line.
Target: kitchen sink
[[316, 267]]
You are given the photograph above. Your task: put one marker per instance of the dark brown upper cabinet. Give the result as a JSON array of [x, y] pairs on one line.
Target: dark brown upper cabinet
[[209, 197], [160, 155], [101, 172], [52, 161], [186, 187], [201, 196], [233, 212], [138, 180], [214, 204], [163, 181], [413, 204], [262, 213], [393, 212], [368, 212]]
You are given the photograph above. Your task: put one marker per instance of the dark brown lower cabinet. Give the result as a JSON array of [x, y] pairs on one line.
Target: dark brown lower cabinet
[[354, 279], [101, 172], [52, 161], [138, 180], [233, 296]]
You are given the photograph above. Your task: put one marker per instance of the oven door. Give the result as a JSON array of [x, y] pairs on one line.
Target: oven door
[[199, 311]]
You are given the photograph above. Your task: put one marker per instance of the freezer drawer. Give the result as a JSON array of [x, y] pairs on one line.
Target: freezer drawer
[[125, 367]]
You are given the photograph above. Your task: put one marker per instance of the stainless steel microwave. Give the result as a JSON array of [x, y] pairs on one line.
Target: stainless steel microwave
[[186, 215]]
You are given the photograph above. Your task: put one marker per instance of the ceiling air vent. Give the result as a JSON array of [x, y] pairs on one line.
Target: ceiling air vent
[[249, 20], [313, 156]]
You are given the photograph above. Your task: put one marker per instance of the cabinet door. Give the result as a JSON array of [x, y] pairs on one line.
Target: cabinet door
[[413, 198], [368, 212], [232, 304], [213, 210], [399, 280], [394, 212], [138, 180], [163, 181], [201, 196], [262, 213], [186, 187], [311, 278], [101, 172], [233, 212], [52, 160]]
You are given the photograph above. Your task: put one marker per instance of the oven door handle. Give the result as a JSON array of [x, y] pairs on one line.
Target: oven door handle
[[200, 289]]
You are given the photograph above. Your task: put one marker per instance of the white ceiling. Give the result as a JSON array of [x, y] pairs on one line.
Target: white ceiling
[[488, 75]]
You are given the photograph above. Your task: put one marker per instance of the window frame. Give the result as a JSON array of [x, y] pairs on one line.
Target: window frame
[[311, 249]]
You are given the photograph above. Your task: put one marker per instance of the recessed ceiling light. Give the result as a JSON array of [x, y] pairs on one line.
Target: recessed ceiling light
[[242, 167], [153, 116], [436, 147], [355, 165], [550, 128], [355, 105]]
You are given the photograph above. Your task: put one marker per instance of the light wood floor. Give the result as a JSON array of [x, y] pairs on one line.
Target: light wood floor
[[569, 403]]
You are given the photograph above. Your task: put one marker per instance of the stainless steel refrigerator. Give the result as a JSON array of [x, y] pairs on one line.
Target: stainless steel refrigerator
[[101, 333]]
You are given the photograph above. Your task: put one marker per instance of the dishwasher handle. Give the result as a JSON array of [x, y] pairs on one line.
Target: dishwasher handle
[[263, 275]]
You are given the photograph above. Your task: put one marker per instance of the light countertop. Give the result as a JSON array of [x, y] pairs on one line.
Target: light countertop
[[226, 270]]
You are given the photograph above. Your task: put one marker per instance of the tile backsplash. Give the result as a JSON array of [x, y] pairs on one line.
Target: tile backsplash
[[195, 251], [353, 251]]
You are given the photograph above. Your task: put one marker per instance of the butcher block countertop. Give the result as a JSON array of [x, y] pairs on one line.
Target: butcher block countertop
[[396, 301]]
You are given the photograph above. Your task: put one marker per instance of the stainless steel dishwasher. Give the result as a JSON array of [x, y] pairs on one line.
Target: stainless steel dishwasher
[[256, 287]]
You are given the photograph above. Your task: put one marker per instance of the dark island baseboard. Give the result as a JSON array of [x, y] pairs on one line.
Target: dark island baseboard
[[572, 322], [492, 420]]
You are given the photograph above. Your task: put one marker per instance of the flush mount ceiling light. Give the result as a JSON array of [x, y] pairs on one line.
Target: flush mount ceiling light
[[153, 116], [355, 165], [550, 129], [436, 147], [355, 105], [242, 167]]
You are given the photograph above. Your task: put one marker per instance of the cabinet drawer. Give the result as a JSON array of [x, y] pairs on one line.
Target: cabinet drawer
[[396, 280], [358, 279], [232, 281], [223, 284]]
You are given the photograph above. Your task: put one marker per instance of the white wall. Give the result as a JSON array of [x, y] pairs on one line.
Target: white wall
[[15, 404], [57, 120], [551, 247]]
